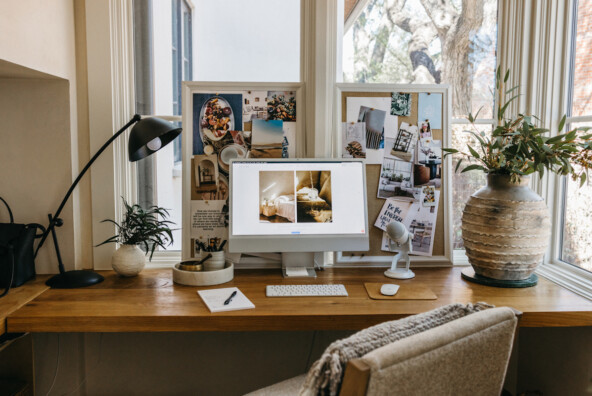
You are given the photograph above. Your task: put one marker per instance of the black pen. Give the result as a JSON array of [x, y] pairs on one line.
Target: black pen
[[229, 299], [222, 246]]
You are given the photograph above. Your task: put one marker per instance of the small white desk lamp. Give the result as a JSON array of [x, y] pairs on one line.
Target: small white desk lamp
[[400, 241]]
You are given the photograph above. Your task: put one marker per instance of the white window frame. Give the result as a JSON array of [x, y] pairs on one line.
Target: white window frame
[[524, 35], [567, 275]]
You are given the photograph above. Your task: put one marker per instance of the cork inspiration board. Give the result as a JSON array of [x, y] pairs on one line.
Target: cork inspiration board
[[375, 204]]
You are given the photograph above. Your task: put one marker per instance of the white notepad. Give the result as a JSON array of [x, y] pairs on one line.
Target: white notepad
[[214, 299]]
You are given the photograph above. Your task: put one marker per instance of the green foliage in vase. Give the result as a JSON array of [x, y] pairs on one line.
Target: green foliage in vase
[[148, 228], [518, 147]]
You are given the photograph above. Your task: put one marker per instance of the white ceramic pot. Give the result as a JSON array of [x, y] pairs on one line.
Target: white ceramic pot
[[128, 260], [216, 262]]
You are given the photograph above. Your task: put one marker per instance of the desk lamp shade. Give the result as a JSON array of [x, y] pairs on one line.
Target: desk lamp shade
[[150, 135], [147, 136]]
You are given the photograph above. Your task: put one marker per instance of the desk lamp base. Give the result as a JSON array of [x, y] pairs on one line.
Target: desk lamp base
[[74, 279]]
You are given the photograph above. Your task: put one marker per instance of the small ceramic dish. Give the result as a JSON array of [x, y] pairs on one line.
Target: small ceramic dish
[[191, 265]]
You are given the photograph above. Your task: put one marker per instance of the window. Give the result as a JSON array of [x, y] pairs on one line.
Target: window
[[182, 57], [576, 246], [451, 42], [178, 40], [163, 59]]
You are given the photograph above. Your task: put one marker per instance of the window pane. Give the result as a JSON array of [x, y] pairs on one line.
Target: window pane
[[464, 184], [162, 44], [237, 40], [405, 42], [577, 223], [582, 72]]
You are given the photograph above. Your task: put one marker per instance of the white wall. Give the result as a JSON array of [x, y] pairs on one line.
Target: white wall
[[46, 141]]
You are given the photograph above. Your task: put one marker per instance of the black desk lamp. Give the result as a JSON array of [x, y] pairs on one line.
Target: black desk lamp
[[147, 136]]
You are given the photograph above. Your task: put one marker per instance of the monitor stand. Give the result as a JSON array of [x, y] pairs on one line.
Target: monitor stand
[[299, 264]]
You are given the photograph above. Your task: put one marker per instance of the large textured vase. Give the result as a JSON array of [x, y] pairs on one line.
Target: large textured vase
[[505, 229]]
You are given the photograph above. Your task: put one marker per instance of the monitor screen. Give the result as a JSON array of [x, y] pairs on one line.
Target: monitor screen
[[291, 205]]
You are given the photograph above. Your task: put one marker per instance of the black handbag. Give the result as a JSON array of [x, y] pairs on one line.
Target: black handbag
[[17, 258]]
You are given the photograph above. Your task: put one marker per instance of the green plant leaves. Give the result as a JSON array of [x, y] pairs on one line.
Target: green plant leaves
[[561, 124], [473, 167], [473, 152], [517, 146], [147, 227]]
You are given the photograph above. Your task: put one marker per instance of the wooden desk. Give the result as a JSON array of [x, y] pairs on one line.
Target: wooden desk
[[151, 302], [19, 296]]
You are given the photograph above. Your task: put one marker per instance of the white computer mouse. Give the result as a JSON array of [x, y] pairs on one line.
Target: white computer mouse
[[389, 289]]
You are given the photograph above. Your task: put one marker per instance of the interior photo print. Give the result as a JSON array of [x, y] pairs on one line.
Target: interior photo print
[[395, 179], [276, 197], [428, 171], [422, 231], [313, 192]]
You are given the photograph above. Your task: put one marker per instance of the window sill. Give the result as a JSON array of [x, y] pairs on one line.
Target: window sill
[[570, 277], [164, 259]]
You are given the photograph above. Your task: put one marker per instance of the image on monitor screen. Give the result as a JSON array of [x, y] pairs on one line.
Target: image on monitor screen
[[276, 197], [313, 196]]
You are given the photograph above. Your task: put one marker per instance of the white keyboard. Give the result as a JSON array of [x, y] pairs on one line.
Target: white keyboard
[[305, 290]]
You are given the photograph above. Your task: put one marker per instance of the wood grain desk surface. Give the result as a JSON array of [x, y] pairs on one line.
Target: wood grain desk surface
[[151, 302], [18, 297]]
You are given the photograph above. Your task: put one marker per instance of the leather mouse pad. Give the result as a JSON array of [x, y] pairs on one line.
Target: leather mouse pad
[[406, 292]]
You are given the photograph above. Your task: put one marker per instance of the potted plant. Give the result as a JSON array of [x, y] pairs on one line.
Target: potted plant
[[505, 225], [139, 228]]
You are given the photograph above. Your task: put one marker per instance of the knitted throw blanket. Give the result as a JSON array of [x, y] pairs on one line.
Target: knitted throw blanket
[[326, 374]]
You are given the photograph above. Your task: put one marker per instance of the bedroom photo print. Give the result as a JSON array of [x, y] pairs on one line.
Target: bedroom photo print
[[276, 197], [295, 197]]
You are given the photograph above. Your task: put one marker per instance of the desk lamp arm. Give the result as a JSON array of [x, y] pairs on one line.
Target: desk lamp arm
[[55, 221]]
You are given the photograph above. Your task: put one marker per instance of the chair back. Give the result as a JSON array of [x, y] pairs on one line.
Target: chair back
[[467, 356]]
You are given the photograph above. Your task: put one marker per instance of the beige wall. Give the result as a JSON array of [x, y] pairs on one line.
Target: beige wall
[[39, 35], [47, 142], [35, 157]]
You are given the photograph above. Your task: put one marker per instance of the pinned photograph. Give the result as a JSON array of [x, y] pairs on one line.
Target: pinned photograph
[[215, 115], [289, 140], [313, 197], [353, 105], [396, 179], [429, 107], [400, 104], [428, 196], [404, 145], [204, 173], [281, 105], [374, 120], [220, 194], [276, 197], [267, 138], [354, 140], [426, 130], [254, 102], [421, 222], [428, 169]]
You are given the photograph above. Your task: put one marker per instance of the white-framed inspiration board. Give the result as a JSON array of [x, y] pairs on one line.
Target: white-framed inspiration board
[[223, 121], [402, 128]]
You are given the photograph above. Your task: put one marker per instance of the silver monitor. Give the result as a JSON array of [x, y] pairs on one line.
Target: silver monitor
[[298, 207]]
